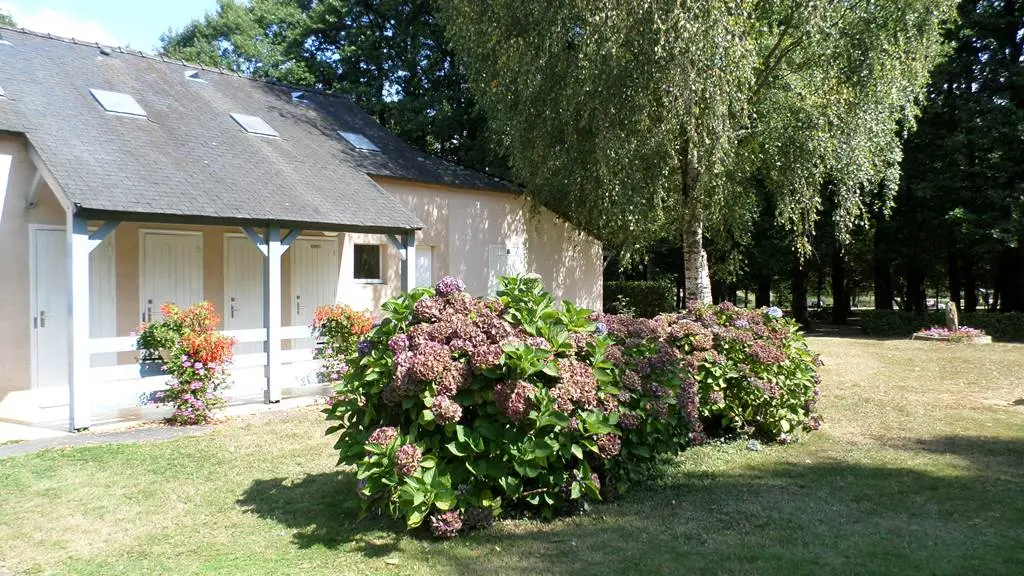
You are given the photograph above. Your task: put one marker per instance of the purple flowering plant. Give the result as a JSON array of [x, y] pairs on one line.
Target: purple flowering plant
[[458, 409]]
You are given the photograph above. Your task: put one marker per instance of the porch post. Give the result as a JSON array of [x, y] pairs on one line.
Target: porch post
[[78, 312], [409, 261], [272, 311]]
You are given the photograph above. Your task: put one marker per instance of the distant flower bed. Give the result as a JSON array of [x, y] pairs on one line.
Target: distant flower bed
[[455, 410], [963, 333]]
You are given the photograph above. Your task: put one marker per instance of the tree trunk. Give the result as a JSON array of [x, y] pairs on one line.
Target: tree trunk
[[953, 265], [915, 297], [970, 285], [763, 298], [840, 299], [695, 259], [882, 267], [799, 303]]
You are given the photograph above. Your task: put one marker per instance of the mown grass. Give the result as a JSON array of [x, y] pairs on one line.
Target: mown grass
[[919, 470]]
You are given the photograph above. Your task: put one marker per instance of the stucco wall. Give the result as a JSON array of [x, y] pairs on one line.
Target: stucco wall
[[462, 224], [15, 293]]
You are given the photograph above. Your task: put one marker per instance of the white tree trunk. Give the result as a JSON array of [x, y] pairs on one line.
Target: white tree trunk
[[695, 259]]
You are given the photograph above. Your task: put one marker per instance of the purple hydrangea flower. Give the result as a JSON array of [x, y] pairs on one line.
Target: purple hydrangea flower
[[448, 286], [446, 410], [383, 436], [741, 324], [600, 329], [774, 312], [364, 347], [608, 445], [514, 398], [446, 524], [407, 460]]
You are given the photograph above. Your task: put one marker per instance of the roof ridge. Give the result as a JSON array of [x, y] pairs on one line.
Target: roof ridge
[[165, 59]]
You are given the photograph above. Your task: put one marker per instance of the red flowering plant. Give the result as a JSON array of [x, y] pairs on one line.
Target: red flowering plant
[[337, 329], [197, 360]]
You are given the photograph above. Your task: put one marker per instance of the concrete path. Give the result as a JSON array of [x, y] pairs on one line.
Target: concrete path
[[148, 432]]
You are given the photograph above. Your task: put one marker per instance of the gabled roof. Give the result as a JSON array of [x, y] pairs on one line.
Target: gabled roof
[[188, 157]]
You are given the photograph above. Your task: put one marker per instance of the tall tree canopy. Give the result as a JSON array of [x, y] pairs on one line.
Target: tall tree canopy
[[961, 206], [642, 119], [6, 19], [390, 55]]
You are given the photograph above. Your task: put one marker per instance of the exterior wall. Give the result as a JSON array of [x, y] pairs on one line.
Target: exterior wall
[[460, 225], [15, 284]]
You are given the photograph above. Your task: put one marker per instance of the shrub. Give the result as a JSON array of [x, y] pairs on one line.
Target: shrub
[[337, 329], [457, 409], [645, 298], [1004, 326], [197, 359]]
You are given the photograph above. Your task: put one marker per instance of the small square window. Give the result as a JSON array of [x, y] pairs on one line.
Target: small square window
[[367, 263], [359, 142], [255, 125], [117, 103]]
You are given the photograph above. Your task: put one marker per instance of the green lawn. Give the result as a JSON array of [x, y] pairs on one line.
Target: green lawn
[[919, 469]]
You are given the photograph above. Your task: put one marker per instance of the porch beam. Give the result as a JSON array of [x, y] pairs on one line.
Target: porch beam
[[34, 188], [258, 240], [80, 417], [272, 310], [290, 237], [101, 233], [398, 243], [50, 180], [408, 261]]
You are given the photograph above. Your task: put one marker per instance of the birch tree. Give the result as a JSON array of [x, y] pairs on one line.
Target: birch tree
[[641, 119]]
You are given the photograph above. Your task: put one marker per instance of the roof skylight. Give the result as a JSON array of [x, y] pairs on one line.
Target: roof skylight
[[117, 103], [194, 75], [358, 141], [255, 125], [299, 97]]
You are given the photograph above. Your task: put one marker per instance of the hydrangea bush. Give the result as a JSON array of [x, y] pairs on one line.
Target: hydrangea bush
[[457, 409]]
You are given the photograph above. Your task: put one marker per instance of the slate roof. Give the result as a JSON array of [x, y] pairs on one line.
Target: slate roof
[[189, 158]]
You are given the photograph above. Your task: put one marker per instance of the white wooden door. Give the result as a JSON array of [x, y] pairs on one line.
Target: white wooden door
[[172, 271], [314, 280], [50, 321], [424, 266], [103, 298], [243, 289]]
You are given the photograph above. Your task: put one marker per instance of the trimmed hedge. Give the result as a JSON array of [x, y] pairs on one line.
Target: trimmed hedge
[[645, 299], [1008, 327]]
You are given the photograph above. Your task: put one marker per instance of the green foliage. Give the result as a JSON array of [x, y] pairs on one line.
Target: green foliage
[[1006, 326], [633, 117], [639, 298], [7, 20], [389, 55], [457, 409]]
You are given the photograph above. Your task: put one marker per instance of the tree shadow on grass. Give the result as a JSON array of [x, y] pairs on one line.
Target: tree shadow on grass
[[776, 517], [321, 510]]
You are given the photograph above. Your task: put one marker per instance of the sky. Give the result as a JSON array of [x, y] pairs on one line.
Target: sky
[[134, 23]]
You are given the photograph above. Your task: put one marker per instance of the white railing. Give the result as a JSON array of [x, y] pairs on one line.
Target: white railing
[[124, 385]]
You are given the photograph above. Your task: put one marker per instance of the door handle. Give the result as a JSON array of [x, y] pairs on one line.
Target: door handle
[[232, 308], [42, 318], [149, 311], [298, 306]]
